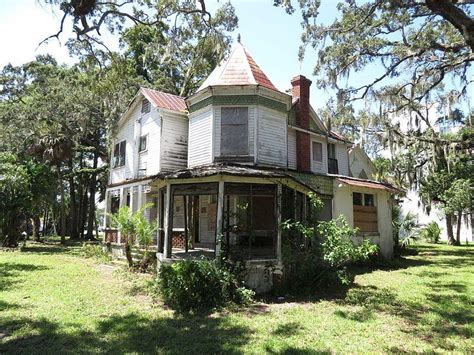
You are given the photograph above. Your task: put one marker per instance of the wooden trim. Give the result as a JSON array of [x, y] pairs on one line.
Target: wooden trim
[[245, 100]]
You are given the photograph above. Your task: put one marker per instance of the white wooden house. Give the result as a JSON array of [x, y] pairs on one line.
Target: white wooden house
[[226, 165]]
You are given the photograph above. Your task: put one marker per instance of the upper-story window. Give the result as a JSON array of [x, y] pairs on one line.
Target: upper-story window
[[317, 152], [331, 151], [142, 146], [332, 161], [119, 154], [145, 106], [234, 131]]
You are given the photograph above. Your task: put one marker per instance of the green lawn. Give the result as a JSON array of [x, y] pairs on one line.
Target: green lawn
[[52, 300]]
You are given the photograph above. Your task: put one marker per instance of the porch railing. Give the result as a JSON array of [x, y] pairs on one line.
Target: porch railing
[[111, 235]]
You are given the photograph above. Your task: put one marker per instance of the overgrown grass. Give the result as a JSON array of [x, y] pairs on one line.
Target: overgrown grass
[[54, 301]]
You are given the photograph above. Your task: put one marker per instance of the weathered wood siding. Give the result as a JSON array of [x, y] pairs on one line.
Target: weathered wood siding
[[319, 167], [217, 130], [126, 131], [342, 159], [200, 137], [174, 141], [292, 149], [272, 137], [150, 125]]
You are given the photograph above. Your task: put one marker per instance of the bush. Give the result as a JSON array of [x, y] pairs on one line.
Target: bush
[[94, 251], [431, 232], [197, 285]]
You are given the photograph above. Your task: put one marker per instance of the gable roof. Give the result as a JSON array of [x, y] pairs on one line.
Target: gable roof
[[164, 100], [239, 69]]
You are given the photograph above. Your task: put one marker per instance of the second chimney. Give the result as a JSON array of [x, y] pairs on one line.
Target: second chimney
[[300, 90]]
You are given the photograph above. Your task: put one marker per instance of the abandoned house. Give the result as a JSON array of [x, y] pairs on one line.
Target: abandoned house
[[225, 166]]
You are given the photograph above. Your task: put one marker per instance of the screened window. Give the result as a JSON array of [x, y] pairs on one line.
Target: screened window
[[119, 154], [317, 152], [143, 143], [234, 130], [145, 106]]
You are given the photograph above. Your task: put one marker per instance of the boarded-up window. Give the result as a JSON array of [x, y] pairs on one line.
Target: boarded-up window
[[145, 106], [234, 131], [119, 154], [365, 212], [317, 152]]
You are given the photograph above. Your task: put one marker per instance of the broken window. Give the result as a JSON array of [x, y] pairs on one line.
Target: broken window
[[234, 131]]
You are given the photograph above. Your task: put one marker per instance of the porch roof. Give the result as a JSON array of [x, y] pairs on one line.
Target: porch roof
[[232, 169], [369, 184]]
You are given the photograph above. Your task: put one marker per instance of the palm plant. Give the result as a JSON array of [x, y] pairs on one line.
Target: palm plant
[[431, 232], [145, 232], [124, 220]]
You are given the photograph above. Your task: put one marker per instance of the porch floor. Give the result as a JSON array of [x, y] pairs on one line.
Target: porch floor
[[197, 252]]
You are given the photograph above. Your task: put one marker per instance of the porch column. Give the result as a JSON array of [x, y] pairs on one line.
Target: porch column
[[168, 223], [132, 198], [106, 213], [122, 202], [140, 198], [279, 206], [220, 216]]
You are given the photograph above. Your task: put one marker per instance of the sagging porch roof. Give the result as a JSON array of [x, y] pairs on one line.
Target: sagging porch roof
[[232, 169]]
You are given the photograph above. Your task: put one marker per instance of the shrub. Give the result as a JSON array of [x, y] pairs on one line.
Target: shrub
[[431, 232], [94, 251], [197, 285]]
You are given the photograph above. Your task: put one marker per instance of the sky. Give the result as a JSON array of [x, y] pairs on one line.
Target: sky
[[269, 34]]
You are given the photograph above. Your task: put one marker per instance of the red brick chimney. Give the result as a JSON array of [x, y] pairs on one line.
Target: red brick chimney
[[303, 143]]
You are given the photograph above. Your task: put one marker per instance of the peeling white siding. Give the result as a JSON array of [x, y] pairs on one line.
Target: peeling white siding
[[319, 167], [149, 162], [272, 137], [359, 161], [292, 163], [174, 141], [200, 138]]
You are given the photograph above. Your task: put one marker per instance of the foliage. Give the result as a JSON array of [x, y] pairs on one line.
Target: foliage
[[431, 232], [94, 251], [197, 285], [407, 227]]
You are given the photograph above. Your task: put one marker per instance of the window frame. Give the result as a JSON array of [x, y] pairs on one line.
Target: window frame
[[246, 151], [117, 160], [313, 157], [140, 150], [146, 106]]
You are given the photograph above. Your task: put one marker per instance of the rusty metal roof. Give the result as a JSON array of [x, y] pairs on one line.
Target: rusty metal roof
[[239, 69], [369, 184], [164, 100]]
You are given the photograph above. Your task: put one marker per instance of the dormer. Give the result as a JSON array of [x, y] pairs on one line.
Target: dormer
[[151, 137], [238, 115]]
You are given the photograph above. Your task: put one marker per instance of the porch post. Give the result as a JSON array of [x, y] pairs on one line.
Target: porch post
[[279, 206], [220, 215], [106, 213], [140, 198], [132, 198], [122, 202], [168, 224]]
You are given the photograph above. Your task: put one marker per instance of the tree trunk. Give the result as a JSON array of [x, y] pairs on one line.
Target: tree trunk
[[73, 202], [458, 228], [92, 189], [36, 228], [83, 213], [62, 222], [128, 252], [449, 229]]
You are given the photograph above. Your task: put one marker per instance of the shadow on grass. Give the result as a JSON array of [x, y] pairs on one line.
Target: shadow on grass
[[447, 311], [11, 273], [130, 334]]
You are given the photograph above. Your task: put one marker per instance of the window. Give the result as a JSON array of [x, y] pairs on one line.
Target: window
[[143, 143], [317, 152], [119, 154], [357, 199], [331, 151], [234, 131], [145, 106], [368, 200]]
